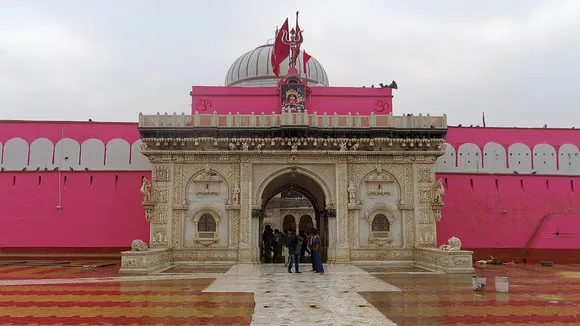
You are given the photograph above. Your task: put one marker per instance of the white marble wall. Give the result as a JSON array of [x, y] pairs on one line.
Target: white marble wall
[[369, 202], [212, 204], [519, 157], [93, 154]]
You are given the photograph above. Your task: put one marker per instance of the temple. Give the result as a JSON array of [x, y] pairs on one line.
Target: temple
[[280, 146]]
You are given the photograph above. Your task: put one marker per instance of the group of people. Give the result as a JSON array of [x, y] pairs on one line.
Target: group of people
[[294, 247]]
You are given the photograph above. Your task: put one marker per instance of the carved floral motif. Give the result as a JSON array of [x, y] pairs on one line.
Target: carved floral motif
[[161, 174], [425, 174]]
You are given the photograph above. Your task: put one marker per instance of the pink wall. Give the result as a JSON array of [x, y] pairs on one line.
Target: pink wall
[[109, 214], [245, 100], [507, 136], [79, 131], [489, 211], [106, 213]]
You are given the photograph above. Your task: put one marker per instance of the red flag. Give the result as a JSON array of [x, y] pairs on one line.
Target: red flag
[[281, 50], [305, 58], [484, 119]]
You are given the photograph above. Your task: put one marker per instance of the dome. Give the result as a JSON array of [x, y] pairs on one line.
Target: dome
[[254, 69]]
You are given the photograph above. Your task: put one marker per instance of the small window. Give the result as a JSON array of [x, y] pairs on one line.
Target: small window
[[206, 223], [381, 223], [381, 229]]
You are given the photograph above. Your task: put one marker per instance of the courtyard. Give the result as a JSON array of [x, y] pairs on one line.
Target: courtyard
[[74, 294]]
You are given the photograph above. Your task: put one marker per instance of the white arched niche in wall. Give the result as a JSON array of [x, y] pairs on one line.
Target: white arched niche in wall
[[93, 154], [519, 158], [569, 157], [41, 154], [139, 162], [494, 158], [544, 158], [205, 224], [446, 162], [15, 154], [469, 158], [117, 154], [67, 152]]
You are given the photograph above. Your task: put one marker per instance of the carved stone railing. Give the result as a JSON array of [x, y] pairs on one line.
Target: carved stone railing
[[313, 120]]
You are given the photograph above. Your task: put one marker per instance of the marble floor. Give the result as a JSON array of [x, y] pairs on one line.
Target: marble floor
[[268, 295]]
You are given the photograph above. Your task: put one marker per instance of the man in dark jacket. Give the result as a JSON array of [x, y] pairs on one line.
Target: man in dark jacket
[[296, 244]]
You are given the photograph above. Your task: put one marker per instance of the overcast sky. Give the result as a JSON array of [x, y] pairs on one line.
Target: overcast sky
[[517, 60]]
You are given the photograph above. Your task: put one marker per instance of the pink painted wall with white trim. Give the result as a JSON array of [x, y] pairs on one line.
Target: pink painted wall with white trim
[[481, 212], [245, 100]]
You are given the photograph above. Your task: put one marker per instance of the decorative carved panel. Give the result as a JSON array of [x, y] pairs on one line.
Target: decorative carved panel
[[161, 174]]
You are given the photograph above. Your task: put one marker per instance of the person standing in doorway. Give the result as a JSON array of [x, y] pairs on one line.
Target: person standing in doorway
[[267, 241], [309, 245], [317, 252], [287, 243], [295, 249]]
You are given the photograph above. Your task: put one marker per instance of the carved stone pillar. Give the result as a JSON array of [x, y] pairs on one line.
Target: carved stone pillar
[[426, 229], [159, 232], [245, 248], [177, 226], [408, 217], [342, 220]]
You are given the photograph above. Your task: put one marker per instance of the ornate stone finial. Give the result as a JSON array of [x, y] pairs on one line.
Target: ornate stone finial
[[139, 245], [439, 191], [453, 244], [146, 189]]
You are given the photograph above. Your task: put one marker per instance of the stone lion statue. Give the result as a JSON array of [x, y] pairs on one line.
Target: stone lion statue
[[453, 244], [138, 245]]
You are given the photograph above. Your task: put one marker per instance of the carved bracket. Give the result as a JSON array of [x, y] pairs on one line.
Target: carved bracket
[[149, 207], [437, 210], [233, 207], [181, 207], [355, 206], [206, 242]]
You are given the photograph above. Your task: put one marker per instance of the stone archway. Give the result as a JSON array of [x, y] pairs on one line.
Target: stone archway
[[307, 184]]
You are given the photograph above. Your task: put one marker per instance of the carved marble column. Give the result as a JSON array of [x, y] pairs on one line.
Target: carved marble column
[[342, 223], [426, 230], [408, 216], [159, 232], [245, 248]]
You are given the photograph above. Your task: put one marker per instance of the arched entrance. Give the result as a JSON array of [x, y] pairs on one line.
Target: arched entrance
[[289, 201]]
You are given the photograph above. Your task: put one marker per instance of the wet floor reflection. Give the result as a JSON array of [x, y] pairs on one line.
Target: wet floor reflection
[[537, 295]]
